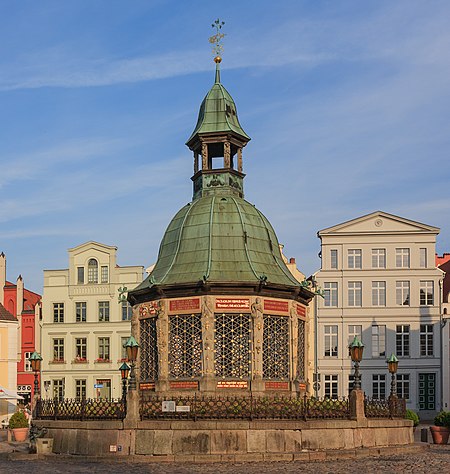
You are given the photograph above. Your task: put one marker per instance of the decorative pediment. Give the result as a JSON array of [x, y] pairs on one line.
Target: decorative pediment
[[379, 222]]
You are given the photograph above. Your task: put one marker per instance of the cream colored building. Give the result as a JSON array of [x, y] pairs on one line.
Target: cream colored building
[[83, 324], [381, 284], [9, 326]]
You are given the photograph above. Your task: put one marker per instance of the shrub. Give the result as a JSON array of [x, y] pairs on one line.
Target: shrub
[[18, 420], [442, 419], [412, 415]]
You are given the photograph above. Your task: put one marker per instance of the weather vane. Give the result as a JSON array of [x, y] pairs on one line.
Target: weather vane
[[216, 40]]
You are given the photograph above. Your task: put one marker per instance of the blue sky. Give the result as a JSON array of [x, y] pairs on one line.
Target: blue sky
[[347, 104]]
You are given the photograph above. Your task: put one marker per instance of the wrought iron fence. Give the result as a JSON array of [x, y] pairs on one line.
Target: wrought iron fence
[[80, 409], [242, 408], [385, 408]]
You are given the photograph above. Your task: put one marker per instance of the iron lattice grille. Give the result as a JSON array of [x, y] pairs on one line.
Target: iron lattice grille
[[301, 350], [149, 350], [232, 353], [276, 347], [185, 346]]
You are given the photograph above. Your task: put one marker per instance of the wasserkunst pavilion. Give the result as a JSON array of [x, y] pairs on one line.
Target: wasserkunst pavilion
[[220, 312]]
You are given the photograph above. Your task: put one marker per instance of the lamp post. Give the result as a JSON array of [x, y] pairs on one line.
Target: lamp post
[[392, 363], [132, 348], [35, 360], [124, 371], [356, 351]]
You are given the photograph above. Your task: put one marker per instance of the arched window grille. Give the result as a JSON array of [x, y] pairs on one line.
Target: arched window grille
[[92, 271]]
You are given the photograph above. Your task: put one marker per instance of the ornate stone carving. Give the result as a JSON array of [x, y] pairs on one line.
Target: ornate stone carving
[[227, 154], [204, 156]]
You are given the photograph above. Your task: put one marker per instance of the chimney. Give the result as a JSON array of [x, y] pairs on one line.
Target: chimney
[[19, 295], [2, 277]]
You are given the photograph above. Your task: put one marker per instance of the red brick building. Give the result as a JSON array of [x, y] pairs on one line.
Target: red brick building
[[25, 305]]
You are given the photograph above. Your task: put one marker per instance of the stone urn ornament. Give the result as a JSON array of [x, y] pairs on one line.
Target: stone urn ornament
[[18, 424]]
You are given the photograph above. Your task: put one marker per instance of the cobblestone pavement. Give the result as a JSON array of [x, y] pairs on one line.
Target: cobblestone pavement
[[434, 460]]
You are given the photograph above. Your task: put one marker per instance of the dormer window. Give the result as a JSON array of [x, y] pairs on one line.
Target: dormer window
[[92, 271]]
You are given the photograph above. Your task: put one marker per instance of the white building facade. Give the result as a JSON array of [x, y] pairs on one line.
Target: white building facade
[[381, 284], [84, 326]]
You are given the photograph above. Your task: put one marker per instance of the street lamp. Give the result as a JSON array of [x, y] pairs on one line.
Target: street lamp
[[356, 351], [392, 363], [124, 371], [35, 360], [132, 348]]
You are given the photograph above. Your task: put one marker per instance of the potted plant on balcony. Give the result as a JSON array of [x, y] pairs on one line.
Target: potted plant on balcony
[[18, 424], [441, 429]]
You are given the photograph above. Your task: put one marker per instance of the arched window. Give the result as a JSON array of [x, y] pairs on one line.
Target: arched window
[[92, 271]]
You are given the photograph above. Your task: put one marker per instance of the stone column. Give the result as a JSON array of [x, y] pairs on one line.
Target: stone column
[[239, 154], [208, 382], [204, 156], [258, 332], [162, 327], [227, 155]]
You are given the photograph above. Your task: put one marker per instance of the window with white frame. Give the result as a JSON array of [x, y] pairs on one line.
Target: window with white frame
[[127, 311], [379, 386], [104, 274], [378, 293], [402, 340], [80, 389], [80, 275], [426, 340], [58, 389], [330, 290], [103, 310], [58, 349], [402, 290], [103, 348], [80, 311], [378, 258], [403, 386], [354, 258], [378, 340], [80, 348], [426, 293], [331, 386], [26, 363], [331, 340], [423, 257], [402, 258], [58, 312], [333, 259], [92, 271], [354, 293]]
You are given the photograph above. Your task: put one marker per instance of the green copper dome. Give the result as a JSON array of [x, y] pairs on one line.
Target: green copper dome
[[219, 243], [218, 112], [219, 239]]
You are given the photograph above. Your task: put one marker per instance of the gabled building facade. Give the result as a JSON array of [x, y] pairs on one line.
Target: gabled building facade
[[84, 326], [381, 283], [25, 306]]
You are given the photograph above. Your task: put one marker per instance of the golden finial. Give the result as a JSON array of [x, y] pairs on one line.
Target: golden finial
[[216, 40]]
